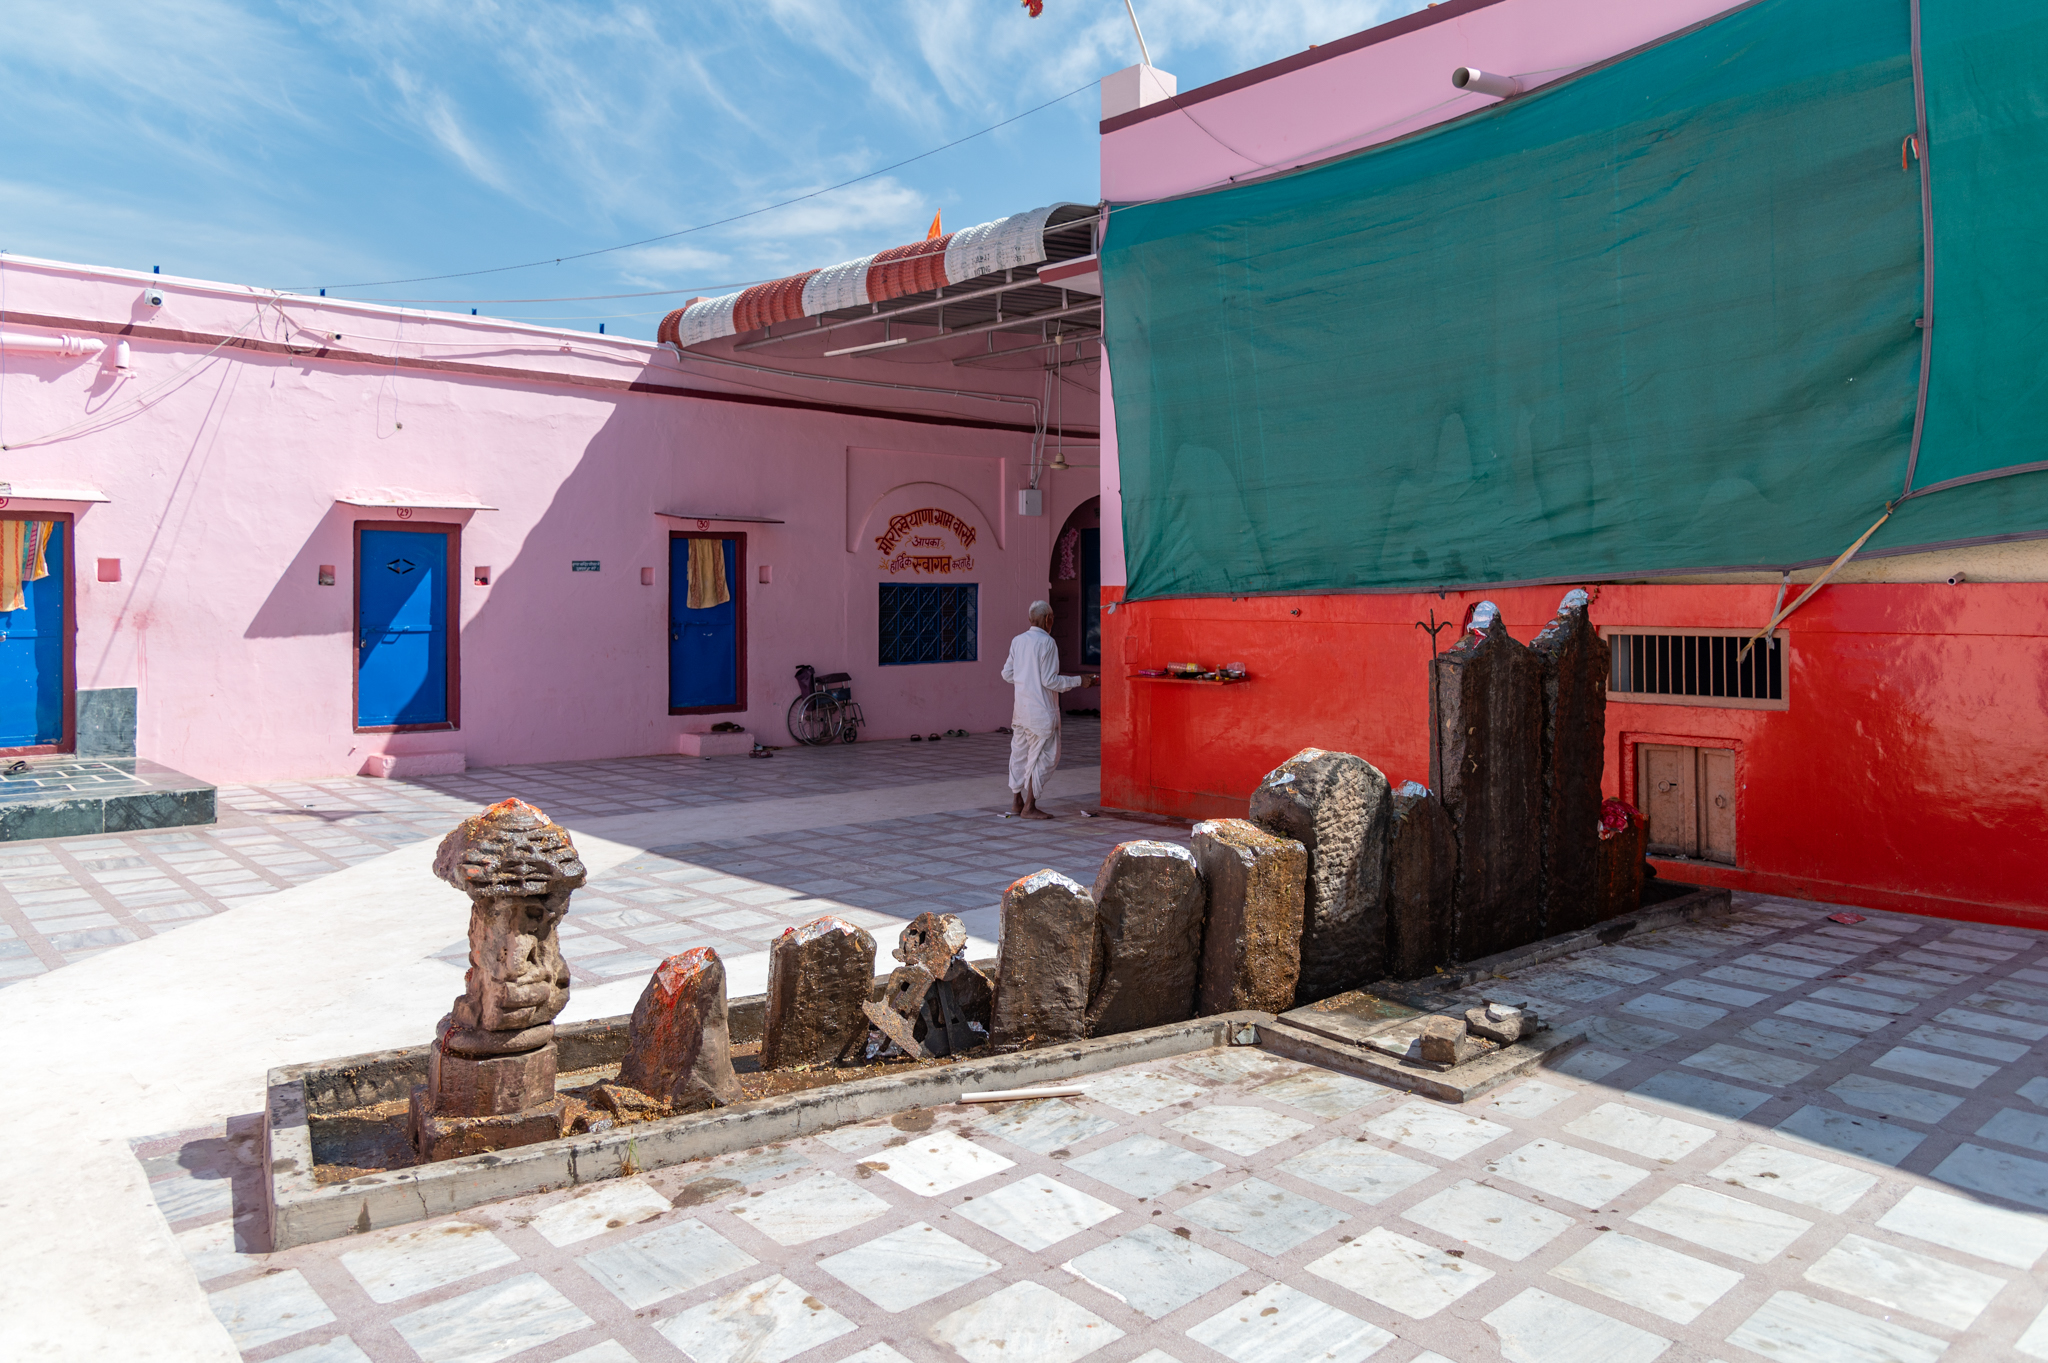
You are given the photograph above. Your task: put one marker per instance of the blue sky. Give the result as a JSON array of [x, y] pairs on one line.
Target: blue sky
[[327, 142]]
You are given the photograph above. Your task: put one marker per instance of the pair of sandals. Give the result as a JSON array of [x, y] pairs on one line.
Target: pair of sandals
[[933, 738]]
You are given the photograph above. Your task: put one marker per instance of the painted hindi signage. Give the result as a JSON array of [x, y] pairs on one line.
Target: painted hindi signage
[[929, 540]]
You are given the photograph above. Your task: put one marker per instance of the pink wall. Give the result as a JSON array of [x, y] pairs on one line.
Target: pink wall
[[223, 485]]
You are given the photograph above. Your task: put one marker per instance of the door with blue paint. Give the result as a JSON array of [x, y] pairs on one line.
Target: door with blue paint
[[32, 641], [401, 628], [704, 641]]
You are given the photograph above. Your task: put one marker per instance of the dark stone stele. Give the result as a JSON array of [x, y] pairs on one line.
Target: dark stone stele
[[1618, 884], [818, 977], [678, 1049], [1422, 883], [1338, 807], [1251, 947], [1046, 967], [1575, 663], [1149, 904], [1488, 763]]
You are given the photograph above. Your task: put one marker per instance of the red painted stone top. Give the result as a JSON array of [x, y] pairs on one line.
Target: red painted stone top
[[818, 927], [509, 849], [682, 970]]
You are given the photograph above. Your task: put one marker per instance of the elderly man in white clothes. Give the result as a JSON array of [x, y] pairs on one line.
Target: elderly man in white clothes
[[1033, 667]]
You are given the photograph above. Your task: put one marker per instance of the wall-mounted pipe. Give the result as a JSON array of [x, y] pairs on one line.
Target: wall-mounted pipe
[[71, 347], [1474, 81]]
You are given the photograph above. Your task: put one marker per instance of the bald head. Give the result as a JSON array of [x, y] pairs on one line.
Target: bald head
[[1040, 614]]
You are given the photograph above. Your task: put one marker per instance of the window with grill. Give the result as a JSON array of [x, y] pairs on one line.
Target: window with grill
[[930, 623], [1697, 667]]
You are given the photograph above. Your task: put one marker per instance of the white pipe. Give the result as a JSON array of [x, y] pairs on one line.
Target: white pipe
[[121, 357], [1022, 1095], [1475, 81], [70, 346]]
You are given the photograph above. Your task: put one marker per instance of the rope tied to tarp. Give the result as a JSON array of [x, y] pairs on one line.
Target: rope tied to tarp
[[1779, 615]]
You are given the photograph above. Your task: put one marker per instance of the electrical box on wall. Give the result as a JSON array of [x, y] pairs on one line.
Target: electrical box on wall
[[1030, 501]]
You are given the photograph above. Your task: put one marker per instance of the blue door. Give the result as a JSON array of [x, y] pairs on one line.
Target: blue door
[[703, 644], [32, 656], [402, 628]]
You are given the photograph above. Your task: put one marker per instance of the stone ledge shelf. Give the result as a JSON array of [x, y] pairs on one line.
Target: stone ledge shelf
[[64, 796]]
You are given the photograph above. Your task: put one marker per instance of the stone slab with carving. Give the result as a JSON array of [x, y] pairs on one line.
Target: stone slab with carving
[[1149, 904], [1575, 661], [677, 1048], [1422, 883], [1337, 806], [1251, 947], [819, 975], [1047, 963]]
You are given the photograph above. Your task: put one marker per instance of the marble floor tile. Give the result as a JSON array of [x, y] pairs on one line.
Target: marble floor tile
[[1943, 960], [1589, 1063], [662, 1263], [1735, 1227], [1920, 973], [1873, 1094], [1567, 1172], [908, 1267], [1756, 979], [1153, 1270], [431, 1256], [754, 1168], [1568, 985], [1025, 1320], [1794, 1328], [935, 1164], [1535, 1327], [1870, 1137], [1323, 1092], [1640, 1133], [763, 1322], [342, 1349], [1277, 1324], [1995, 1172], [1143, 1166], [1808, 950], [1263, 1217], [1400, 1274], [1998, 1024], [1435, 1129], [1489, 1219], [1648, 1276], [1942, 1069], [1605, 967], [599, 1208], [183, 1198], [1674, 1012], [1795, 1177], [1784, 965], [211, 1251], [2016, 1239], [851, 1140], [490, 1323], [2035, 1090], [1358, 1169], [1530, 1098], [1848, 1019], [810, 1210], [1239, 1064], [1240, 1130], [1140, 1092], [2005, 1007], [1614, 1034], [2014, 989], [1035, 1212], [1797, 1038], [1714, 993], [1865, 999], [874, 1353], [1890, 984], [1906, 1280], [1045, 1126], [1701, 1094], [268, 1309], [1656, 960], [2027, 1130]]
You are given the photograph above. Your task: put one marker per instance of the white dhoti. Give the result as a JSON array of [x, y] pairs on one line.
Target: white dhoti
[[1033, 755]]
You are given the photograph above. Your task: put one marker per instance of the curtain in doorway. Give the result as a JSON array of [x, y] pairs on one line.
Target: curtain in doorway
[[707, 575], [24, 553]]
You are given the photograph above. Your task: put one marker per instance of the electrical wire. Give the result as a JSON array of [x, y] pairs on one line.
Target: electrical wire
[[140, 399]]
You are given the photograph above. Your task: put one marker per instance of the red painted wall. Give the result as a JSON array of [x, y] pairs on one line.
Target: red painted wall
[[1910, 771]]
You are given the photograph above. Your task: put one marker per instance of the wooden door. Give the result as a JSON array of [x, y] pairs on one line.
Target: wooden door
[[1668, 783], [1717, 804]]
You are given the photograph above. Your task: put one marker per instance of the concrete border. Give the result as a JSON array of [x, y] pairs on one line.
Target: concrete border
[[1347, 1055]]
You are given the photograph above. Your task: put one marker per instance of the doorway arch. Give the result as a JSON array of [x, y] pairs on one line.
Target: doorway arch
[[1075, 588]]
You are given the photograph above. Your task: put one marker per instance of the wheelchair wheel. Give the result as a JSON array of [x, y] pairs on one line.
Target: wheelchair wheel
[[850, 720], [814, 719]]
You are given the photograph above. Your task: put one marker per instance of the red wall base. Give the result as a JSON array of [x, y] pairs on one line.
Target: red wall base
[[1910, 771]]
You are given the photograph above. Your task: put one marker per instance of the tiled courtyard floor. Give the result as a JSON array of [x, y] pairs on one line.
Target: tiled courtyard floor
[[1784, 1139]]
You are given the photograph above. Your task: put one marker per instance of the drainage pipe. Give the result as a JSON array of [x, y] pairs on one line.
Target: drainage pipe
[[16, 342]]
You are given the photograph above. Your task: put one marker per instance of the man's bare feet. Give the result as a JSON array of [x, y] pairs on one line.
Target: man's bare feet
[[1034, 812], [1017, 802]]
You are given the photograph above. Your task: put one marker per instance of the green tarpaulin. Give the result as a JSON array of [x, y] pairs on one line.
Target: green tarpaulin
[[1659, 317]]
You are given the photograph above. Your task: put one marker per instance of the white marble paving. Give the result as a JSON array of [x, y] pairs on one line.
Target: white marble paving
[[2028, 1130], [598, 1208], [1924, 974], [1436, 1129], [490, 1323], [1236, 1064], [1795, 1177], [810, 1210], [1827, 1015], [1701, 1094], [1648, 1276], [1945, 961], [1153, 1270], [1567, 1172], [1358, 1169], [1277, 1324], [1906, 1280], [342, 1349], [1734, 1062], [1658, 960], [2033, 1342], [1783, 965], [2016, 1239], [1997, 1023], [874, 1353], [1865, 999], [1589, 1063], [210, 1249], [1674, 1012], [1606, 967], [1487, 1218], [1714, 993], [938, 1162], [431, 1256], [1648, 1134], [1730, 1225], [1141, 1091], [763, 1322], [1997, 1173], [1535, 1327], [1942, 1069], [1398, 1273], [1045, 1126], [1797, 1038], [1144, 1166], [1262, 1216], [1023, 1321], [264, 1310], [1990, 1002], [1967, 1043], [1755, 979], [1324, 1093], [1870, 1137], [1807, 950], [1873, 1094], [1895, 985], [1618, 1035], [662, 1263], [1530, 1098], [2035, 1090], [1240, 1130], [908, 1267], [1035, 1212], [851, 1140]]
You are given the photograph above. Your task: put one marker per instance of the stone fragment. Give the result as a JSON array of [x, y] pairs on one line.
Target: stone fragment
[[1502, 1023], [931, 940], [490, 1085], [1439, 1040], [1149, 905], [1047, 963], [617, 1098], [1422, 882], [1624, 842], [973, 991], [1487, 764], [958, 993], [439, 1138], [1575, 663], [819, 975], [1251, 946], [677, 1047], [1339, 808], [897, 1012]]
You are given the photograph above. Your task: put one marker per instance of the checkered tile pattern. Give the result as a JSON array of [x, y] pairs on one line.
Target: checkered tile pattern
[[1784, 1139]]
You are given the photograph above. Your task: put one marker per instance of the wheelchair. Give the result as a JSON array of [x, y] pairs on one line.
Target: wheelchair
[[824, 710]]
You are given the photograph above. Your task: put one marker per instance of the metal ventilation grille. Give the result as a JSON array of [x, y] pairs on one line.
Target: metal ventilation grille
[[1697, 667]]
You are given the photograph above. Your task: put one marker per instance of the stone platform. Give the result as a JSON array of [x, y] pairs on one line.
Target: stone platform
[[66, 797]]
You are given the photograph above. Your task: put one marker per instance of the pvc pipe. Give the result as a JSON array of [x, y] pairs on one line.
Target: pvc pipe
[[1022, 1095], [121, 357], [70, 346], [1472, 79]]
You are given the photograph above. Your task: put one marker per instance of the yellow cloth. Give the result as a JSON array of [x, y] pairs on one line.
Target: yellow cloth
[[12, 538], [707, 575]]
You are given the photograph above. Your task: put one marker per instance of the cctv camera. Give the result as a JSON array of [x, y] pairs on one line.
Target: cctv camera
[[153, 297]]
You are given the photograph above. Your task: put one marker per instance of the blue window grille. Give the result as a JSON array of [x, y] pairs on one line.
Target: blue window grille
[[930, 623]]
